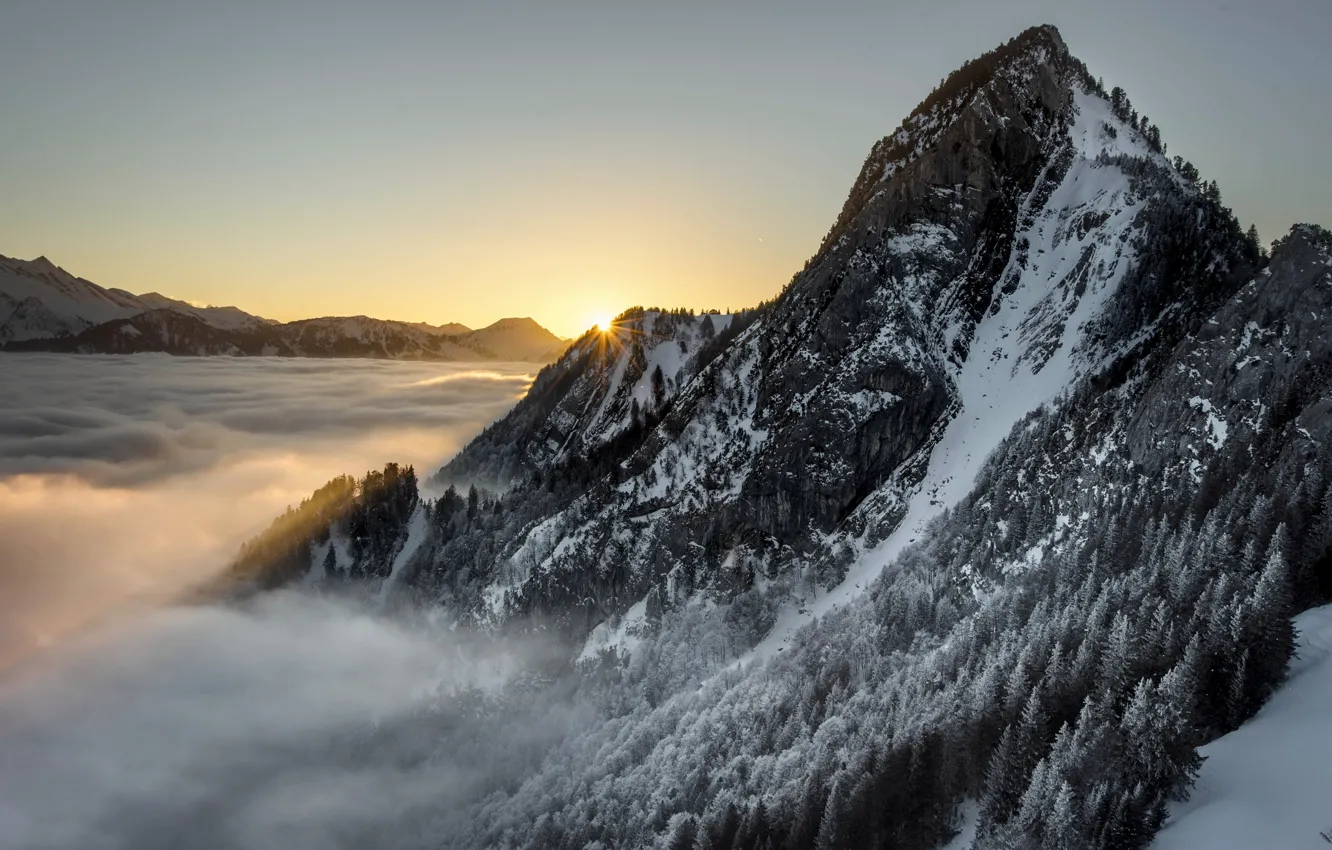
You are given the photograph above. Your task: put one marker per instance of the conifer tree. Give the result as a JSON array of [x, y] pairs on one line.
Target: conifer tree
[[1273, 638], [832, 834], [1061, 829]]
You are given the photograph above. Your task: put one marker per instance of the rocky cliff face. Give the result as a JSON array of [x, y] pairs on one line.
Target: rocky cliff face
[[600, 397], [1254, 369]]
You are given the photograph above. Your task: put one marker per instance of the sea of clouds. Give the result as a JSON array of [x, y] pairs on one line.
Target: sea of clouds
[[291, 720], [124, 480]]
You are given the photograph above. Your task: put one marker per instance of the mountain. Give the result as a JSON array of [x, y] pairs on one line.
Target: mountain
[[506, 339], [45, 308], [449, 329], [997, 512], [226, 318], [43, 300], [514, 339], [39, 300], [171, 331]]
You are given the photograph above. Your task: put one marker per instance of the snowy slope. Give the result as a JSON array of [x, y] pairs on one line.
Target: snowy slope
[[989, 260], [55, 302], [731, 428], [586, 399], [641, 346], [621, 638], [1269, 783], [51, 302], [415, 536], [226, 318]]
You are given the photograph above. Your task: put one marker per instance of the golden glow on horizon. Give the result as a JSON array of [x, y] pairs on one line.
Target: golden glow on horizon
[[615, 237], [603, 323]]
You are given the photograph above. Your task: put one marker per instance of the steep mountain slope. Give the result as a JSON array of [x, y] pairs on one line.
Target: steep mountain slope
[[602, 391], [1001, 506], [974, 275], [43, 301]]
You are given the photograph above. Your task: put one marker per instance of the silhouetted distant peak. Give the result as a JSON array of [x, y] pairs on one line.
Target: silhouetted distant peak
[[41, 264], [516, 322]]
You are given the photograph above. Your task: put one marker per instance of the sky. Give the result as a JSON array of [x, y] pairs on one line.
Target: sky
[[440, 161]]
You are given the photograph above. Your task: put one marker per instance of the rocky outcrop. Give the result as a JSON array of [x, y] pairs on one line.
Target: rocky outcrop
[[1259, 365]]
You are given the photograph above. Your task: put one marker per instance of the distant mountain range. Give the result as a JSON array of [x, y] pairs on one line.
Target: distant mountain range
[[45, 308]]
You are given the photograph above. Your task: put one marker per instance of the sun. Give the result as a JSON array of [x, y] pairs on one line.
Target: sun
[[603, 322]]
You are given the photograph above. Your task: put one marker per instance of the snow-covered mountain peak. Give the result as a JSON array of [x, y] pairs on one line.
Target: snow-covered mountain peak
[[1016, 238], [42, 264], [57, 302]]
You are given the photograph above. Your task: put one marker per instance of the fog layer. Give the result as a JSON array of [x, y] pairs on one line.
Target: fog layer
[[125, 479], [291, 722]]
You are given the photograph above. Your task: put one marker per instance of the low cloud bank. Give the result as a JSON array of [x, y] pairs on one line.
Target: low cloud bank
[[126, 421], [291, 722], [288, 721], [126, 479]]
